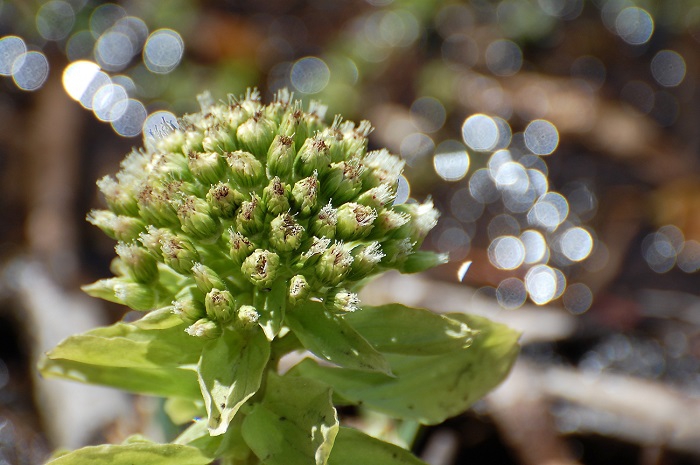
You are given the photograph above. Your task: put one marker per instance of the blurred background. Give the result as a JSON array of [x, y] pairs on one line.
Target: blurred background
[[559, 139]]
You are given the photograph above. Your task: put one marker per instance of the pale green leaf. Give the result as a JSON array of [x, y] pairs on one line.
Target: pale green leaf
[[333, 339], [229, 373], [354, 447], [295, 424], [152, 355], [134, 452], [428, 389], [395, 328], [272, 314], [422, 260]]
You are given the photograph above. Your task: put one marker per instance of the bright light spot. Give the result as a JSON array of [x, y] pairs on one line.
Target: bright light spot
[[428, 114], [512, 176], [54, 20], [577, 298], [538, 181], [511, 293], [157, 125], [482, 187], [535, 246], [541, 284], [113, 50], [504, 57], [11, 48], [310, 75], [82, 80], [541, 137], [415, 147], [634, 25], [30, 70], [163, 51], [451, 160], [505, 133], [110, 102], [480, 132], [576, 244], [463, 268], [403, 191], [549, 211], [668, 68], [506, 252], [131, 122]]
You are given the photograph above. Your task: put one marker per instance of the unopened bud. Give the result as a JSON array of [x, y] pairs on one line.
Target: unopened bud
[[381, 168], [250, 217], [120, 198], [276, 196], [298, 289], [189, 308], [324, 223], [334, 264], [397, 250], [246, 170], [204, 328], [206, 279], [424, 218], [285, 233], [207, 167], [377, 197], [197, 221], [141, 265], [388, 222], [280, 156], [224, 200], [256, 134], [119, 227], [241, 247], [179, 254], [135, 295], [342, 301], [355, 139], [294, 125], [355, 221], [220, 140], [366, 258], [342, 182], [247, 317], [219, 305], [305, 195], [261, 268], [156, 208], [313, 254], [313, 156]]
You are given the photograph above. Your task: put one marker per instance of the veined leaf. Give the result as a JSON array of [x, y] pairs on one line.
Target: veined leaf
[[395, 328], [229, 373], [332, 338], [355, 447], [272, 314], [295, 424], [428, 389], [152, 355], [134, 451]]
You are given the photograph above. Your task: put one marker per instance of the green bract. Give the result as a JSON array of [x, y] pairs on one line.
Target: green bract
[[245, 233]]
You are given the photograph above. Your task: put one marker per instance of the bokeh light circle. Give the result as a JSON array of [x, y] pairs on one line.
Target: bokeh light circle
[[511, 293], [54, 20], [634, 25], [506, 252], [11, 48], [30, 70], [668, 68], [131, 122], [577, 298], [451, 160], [163, 51], [541, 137], [310, 75], [504, 57], [576, 244], [541, 284], [480, 132]]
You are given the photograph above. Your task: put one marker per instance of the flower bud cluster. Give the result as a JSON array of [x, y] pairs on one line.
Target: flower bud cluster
[[241, 197]]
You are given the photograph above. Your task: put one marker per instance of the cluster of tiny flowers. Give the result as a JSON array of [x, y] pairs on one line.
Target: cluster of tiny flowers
[[244, 197]]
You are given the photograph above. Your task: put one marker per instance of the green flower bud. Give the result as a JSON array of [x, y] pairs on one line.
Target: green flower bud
[[285, 233], [193, 142], [247, 317], [313, 254], [261, 268], [240, 248], [397, 250], [219, 139], [141, 265], [120, 199], [355, 139], [334, 264], [377, 197], [155, 207], [121, 228], [423, 218], [256, 134], [388, 221], [294, 125], [251, 103], [220, 305], [204, 328], [276, 196], [280, 156], [342, 181], [206, 279], [280, 103], [381, 168], [189, 309], [305, 195], [246, 171], [312, 157], [135, 295], [333, 139], [342, 301], [355, 221], [105, 288], [365, 262], [250, 217], [152, 239], [170, 165], [197, 221], [179, 254], [224, 200], [298, 289], [207, 167], [324, 223]]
